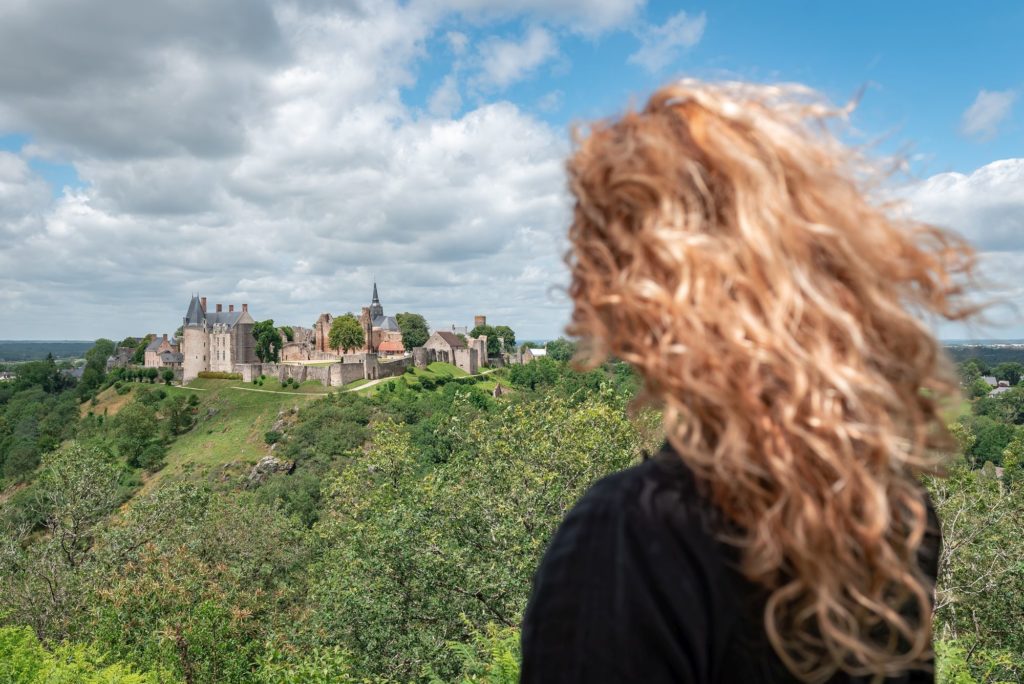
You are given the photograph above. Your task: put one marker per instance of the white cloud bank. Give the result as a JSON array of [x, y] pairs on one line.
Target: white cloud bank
[[260, 152]]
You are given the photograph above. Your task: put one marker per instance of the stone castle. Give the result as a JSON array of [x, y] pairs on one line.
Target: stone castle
[[215, 340], [222, 341]]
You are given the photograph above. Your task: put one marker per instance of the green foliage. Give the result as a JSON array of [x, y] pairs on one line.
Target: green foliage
[[32, 422], [508, 335], [414, 329], [167, 376], [219, 375], [23, 660], [288, 332], [272, 437], [135, 431], [493, 346], [561, 349], [1010, 371], [480, 519], [992, 437], [346, 333], [95, 366], [490, 657], [139, 356], [268, 341], [981, 570]]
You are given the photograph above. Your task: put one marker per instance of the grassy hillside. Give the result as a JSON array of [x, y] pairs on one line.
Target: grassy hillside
[[233, 417]]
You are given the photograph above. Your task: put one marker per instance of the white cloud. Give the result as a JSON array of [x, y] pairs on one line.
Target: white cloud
[[503, 62], [990, 108], [986, 206], [284, 175], [661, 45]]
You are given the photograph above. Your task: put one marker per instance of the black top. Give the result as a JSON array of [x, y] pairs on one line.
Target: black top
[[636, 588]]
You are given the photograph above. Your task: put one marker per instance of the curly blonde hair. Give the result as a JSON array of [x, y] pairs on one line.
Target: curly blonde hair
[[726, 244]]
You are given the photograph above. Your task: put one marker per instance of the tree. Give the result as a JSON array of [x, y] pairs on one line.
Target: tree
[[346, 333], [561, 349], [493, 346], [134, 428], [268, 341], [414, 329], [288, 332], [508, 335], [167, 375], [140, 349], [1010, 371], [95, 365], [971, 370]]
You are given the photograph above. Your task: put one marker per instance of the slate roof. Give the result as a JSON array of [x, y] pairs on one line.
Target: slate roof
[[453, 341], [386, 323], [195, 315], [172, 357], [228, 318]]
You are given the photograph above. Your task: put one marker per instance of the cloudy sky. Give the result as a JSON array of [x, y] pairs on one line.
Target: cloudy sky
[[287, 153]]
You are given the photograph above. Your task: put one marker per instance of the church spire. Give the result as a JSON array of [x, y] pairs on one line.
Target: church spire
[[376, 299]]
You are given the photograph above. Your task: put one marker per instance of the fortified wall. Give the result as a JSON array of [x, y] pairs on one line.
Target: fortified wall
[[354, 367]]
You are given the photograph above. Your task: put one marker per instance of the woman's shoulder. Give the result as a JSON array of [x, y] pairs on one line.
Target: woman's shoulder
[[659, 489]]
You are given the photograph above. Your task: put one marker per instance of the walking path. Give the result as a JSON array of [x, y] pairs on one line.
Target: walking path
[[371, 383]]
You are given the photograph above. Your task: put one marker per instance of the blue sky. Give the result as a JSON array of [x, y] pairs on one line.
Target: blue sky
[[286, 152]]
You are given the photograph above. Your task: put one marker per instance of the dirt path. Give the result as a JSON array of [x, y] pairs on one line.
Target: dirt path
[[292, 394]]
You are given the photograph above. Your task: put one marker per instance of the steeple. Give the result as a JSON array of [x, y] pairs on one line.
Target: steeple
[[376, 310]]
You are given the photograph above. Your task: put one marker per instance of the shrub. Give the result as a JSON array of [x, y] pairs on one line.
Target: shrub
[[219, 375], [272, 437], [123, 389]]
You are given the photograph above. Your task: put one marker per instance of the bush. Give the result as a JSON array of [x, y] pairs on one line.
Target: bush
[[219, 375], [23, 660], [152, 457], [410, 370], [272, 437], [123, 390], [193, 400]]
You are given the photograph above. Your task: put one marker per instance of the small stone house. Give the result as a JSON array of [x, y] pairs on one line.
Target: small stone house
[[530, 354], [155, 350]]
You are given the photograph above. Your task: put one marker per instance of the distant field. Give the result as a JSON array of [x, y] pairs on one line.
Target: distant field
[[29, 350]]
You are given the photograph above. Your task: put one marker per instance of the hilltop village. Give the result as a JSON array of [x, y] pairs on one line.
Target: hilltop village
[[221, 342]]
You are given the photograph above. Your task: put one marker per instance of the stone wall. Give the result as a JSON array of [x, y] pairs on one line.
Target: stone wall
[[466, 359]]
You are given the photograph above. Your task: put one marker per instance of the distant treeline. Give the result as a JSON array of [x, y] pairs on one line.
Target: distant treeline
[[991, 356], [27, 350]]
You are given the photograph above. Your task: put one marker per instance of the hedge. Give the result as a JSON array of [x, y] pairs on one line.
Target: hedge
[[219, 375]]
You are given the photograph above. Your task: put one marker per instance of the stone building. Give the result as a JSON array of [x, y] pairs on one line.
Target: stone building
[[469, 355], [153, 357], [383, 336], [216, 340]]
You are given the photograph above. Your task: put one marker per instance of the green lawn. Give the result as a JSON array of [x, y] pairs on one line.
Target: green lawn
[[441, 368]]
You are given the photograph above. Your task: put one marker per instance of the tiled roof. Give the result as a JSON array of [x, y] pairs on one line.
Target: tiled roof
[[391, 346], [453, 341]]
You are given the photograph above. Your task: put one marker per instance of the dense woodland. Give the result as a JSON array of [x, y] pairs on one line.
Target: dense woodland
[[401, 544]]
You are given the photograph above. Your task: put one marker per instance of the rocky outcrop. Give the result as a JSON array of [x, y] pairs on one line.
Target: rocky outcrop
[[267, 466]]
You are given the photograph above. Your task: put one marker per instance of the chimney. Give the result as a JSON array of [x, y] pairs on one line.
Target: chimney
[[245, 307], [165, 337], [231, 307], [202, 302], [220, 308]]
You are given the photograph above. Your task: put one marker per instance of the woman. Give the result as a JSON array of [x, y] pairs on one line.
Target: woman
[[724, 244]]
